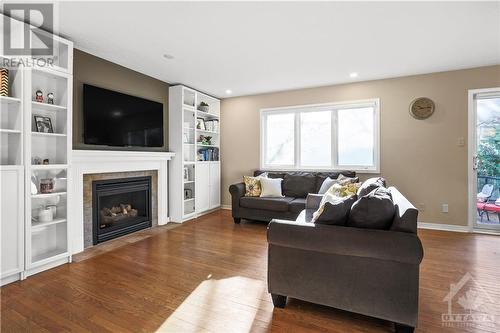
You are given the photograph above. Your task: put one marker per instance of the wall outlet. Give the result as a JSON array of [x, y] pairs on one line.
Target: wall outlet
[[444, 208]]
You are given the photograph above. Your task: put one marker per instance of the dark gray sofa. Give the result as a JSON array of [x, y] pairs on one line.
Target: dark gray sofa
[[296, 186], [367, 271]]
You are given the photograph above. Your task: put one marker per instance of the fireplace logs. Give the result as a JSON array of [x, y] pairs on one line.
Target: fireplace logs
[[115, 214]]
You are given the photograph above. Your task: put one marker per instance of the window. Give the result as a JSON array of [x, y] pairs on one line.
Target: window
[[322, 137]]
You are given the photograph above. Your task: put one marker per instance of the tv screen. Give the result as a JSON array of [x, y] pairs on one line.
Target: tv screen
[[115, 119]]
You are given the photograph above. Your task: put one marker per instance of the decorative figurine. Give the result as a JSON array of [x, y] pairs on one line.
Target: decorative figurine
[[46, 161], [50, 98], [39, 96], [37, 160]]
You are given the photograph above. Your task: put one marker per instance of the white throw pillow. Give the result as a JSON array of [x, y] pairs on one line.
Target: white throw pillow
[[327, 183], [271, 187]]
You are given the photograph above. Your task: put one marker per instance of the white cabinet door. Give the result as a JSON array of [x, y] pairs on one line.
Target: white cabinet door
[[202, 184], [214, 188], [12, 214]]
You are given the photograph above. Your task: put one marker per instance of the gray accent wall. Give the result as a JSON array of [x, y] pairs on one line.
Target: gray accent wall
[[105, 74]]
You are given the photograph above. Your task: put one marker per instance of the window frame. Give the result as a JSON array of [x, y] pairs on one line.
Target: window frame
[[333, 107]]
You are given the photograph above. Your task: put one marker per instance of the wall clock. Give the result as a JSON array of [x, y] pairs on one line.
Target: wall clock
[[421, 108]]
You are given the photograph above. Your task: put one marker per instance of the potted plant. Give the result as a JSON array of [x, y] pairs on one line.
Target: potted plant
[[203, 107]]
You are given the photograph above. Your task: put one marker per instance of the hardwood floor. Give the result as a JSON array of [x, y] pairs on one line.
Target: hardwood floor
[[209, 275]]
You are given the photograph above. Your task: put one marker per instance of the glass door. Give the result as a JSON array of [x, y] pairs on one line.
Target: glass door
[[485, 122]]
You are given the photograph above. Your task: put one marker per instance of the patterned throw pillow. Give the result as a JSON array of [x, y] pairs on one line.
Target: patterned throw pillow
[[252, 186], [345, 190], [337, 195]]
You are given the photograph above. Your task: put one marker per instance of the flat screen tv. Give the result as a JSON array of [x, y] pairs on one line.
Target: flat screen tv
[[115, 119]]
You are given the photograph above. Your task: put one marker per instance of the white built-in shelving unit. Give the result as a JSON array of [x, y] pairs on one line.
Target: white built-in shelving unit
[[36, 246], [203, 169], [47, 242]]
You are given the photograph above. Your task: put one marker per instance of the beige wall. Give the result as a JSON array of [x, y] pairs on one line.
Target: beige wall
[[102, 73], [420, 157]]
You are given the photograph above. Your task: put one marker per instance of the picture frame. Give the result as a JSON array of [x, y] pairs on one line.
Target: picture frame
[[186, 174], [185, 137], [200, 123], [43, 124]]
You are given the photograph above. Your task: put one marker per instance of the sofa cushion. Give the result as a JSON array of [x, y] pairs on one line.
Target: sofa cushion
[[275, 204], [369, 185], [335, 210], [373, 211], [299, 184], [297, 205]]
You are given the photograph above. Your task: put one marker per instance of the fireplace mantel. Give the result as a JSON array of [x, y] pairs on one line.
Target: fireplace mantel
[[101, 161]]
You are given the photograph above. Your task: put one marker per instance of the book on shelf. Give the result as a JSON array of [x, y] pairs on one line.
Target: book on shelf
[[212, 125], [208, 154]]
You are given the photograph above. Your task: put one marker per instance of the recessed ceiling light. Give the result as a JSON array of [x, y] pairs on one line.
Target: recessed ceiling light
[[229, 91], [168, 56], [353, 74]]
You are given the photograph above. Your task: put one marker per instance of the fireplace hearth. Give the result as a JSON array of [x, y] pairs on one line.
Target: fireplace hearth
[[120, 206]]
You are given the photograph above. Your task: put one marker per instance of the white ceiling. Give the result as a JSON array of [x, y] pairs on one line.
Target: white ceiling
[[262, 47]]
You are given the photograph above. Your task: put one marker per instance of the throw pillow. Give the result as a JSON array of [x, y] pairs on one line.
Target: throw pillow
[[271, 187], [373, 211], [346, 190], [252, 185], [327, 183], [334, 210], [370, 184], [342, 180]]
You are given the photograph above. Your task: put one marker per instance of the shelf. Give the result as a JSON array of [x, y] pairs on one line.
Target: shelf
[[47, 107], [188, 144], [9, 131], [189, 108], [187, 200], [189, 128], [39, 225], [49, 166], [48, 134], [205, 131], [47, 195], [48, 255], [206, 115], [189, 162], [208, 146], [9, 100], [188, 181]]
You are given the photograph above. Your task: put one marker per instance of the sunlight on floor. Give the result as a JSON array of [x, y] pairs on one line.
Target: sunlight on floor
[[225, 305]]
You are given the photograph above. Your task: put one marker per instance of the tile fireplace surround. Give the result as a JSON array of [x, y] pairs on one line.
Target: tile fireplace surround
[[88, 165], [87, 197]]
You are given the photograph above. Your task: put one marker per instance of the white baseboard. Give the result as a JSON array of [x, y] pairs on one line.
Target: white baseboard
[[443, 227], [425, 225]]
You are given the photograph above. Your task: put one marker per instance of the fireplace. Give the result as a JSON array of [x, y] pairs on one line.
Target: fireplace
[[120, 206]]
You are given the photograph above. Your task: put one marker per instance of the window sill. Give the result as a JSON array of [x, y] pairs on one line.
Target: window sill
[[357, 170]]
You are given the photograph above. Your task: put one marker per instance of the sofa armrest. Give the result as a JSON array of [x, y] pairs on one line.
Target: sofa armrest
[[237, 191], [348, 241], [313, 201]]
